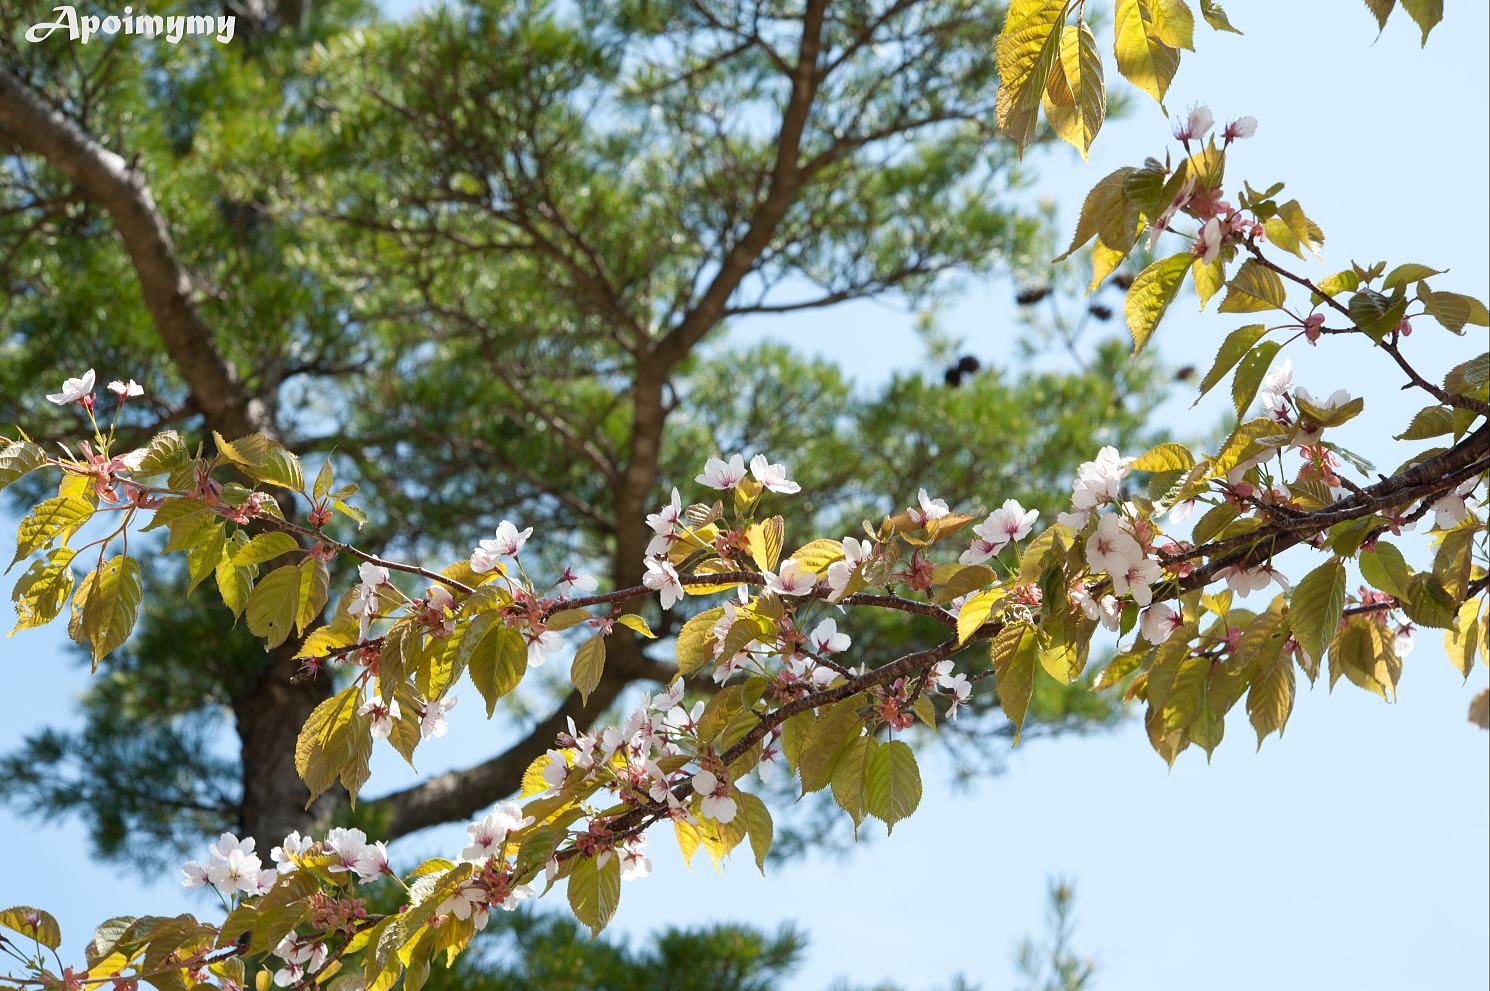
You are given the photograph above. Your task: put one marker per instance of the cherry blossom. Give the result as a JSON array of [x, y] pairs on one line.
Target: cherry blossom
[[468, 902], [855, 553], [826, 639], [367, 596], [433, 723], [372, 862], [1010, 522], [125, 390], [292, 848], [1450, 510], [556, 771], [714, 801], [772, 477], [1195, 124], [1246, 581], [1108, 611], [791, 579], [634, 863], [927, 509], [1159, 622], [75, 390], [541, 644], [957, 685], [381, 715], [663, 577], [1208, 241], [302, 957], [1274, 393], [574, 580], [1136, 580], [1111, 548], [507, 543], [346, 845], [723, 475], [490, 832], [1242, 127]]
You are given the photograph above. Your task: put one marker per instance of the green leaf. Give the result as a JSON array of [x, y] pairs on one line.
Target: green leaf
[[274, 604], [694, 644], [1270, 697], [50, 519], [1362, 651], [1143, 57], [756, 818], [975, 611], [1406, 274], [1453, 310], [1151, 294], [1251, 372], [1014, 653], [1237, 344], [825, 739], [1384, 567], [594, 892], [495, 655], [848, 777], [632, 621], [1431, 421], [1075, 101], [41, 592], [165, 453], [1253, 289], [1174, 23], [19, 457], [1426, 13], [1025, 54], [324, 747], [1208, 279], [1472, 378], [892, 783], [1216, 17], [1316, 606], [1382, 9], [1374, 313], [1106, 211], [34, 924], [264, 547], [106, 605], [589, 664], [1165, 457]]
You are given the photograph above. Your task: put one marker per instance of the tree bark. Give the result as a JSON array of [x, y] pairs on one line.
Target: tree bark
[[271, 710]]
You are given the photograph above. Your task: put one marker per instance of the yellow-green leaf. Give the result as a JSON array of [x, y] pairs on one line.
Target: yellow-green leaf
[[1151, 294], [1142, 55], [588, 666], [1025, 53]]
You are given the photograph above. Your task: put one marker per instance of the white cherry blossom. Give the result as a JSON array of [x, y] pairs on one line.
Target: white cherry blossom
[[74, 390], [663, 578], [790, 579], [381, 715], [433, 723], [773, 477], [927, 509], [508, 542], [826, 639], [1159, 622], [723, 475], [714, 801]]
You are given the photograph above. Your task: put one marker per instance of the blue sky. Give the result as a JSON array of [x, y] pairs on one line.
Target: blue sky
[[1350, 853]]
